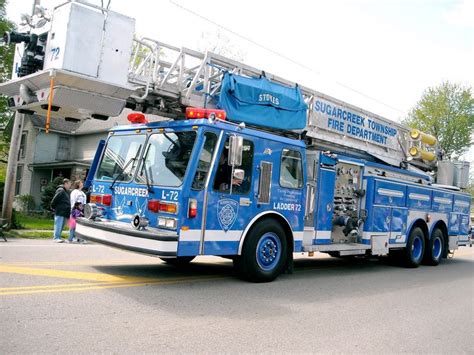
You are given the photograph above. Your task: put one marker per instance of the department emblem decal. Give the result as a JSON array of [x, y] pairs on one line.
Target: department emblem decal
[[227, 210]]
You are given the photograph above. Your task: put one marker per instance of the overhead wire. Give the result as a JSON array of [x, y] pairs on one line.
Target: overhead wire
[[291, 60]]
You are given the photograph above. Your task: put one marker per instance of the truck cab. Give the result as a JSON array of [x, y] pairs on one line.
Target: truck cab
[[193, 187]]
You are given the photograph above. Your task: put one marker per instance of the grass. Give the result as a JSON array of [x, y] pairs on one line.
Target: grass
[[35, 222], [33, 227], [32, 234]]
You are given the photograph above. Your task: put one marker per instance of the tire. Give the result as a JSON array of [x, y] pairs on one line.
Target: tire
[[413, 253], [264, 253], [435, 248], [179, 260]]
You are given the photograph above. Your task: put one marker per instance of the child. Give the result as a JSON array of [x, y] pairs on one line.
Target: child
[[75, 212]]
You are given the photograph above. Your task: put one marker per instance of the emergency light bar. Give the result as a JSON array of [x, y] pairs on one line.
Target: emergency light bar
[[197, 113], [137, 117]]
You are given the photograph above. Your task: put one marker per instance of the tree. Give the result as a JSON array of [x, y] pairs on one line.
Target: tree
[[6, 64], [49, 191], [446, 112], [218, 42]]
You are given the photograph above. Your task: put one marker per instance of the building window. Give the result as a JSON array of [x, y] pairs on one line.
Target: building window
[[64, 148], [22, 151], [19, 176], [291, 169]]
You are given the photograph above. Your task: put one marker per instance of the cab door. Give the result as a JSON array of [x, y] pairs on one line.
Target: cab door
[[229, 199]]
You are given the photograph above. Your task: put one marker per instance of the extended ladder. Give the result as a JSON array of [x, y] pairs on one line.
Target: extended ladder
[[100, 80]]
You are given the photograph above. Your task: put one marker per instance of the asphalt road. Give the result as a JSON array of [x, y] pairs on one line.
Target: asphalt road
[[89, 298]]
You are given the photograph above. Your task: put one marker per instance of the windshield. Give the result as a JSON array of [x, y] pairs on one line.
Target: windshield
[[120, 158], [166, 158]]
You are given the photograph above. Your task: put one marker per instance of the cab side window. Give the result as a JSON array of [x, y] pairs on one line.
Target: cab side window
[[291, 169], [222, 180], [204, 161]]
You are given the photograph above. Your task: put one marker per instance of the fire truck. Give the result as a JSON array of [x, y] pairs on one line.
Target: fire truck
[[243, 164]]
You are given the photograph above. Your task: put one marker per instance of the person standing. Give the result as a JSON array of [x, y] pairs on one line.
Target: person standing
[[76, 212], [61, 204], [77, 195], [78, 200]]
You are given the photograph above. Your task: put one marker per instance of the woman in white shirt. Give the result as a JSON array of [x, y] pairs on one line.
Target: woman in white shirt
[[77, 195]]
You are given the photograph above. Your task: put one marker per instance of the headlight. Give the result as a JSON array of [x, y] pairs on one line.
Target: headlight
[[168, 223]]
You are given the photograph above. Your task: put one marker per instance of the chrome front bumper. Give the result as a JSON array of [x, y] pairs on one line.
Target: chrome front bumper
[[122, 235]]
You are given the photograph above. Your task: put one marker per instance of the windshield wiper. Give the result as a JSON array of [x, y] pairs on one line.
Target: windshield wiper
[[176, 142], [144, 169], [126, 166]]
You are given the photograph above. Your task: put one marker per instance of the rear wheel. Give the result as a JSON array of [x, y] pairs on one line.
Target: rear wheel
[[264, 252], [413, 253], [179, 260], [435, 248]]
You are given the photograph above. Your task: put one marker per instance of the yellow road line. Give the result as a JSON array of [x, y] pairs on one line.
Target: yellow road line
[[22, 288], [80, 263], [90, 276], [93, 287]]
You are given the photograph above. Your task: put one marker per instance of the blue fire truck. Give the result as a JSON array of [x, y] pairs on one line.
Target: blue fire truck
[[249, 166], [214, 185]]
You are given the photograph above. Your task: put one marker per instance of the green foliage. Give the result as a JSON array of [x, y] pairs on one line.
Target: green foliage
[[2, 189], [27, 203], [6, 64], [35, 221], [446, 112], [15, 223], [49, 191], [26, 234]]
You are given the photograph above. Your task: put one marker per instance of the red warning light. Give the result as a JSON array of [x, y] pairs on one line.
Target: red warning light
[[137, 117]]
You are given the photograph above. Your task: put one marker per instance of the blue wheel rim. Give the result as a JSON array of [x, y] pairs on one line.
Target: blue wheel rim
[[417, 248], [437, 248], [268, 251]]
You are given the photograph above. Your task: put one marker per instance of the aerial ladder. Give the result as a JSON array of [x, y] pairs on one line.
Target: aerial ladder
[[83, 61]]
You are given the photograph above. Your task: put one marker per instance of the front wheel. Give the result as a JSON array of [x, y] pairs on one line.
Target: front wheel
[[264, 252], [413, 253], [434, 250]]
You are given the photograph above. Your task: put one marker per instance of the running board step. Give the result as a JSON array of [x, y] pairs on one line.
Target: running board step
[[356, 248]]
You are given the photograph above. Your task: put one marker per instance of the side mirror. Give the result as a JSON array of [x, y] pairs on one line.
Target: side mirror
[[239, 175], [236, 144]]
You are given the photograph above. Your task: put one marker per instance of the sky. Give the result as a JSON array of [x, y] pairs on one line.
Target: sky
[[378, 55]]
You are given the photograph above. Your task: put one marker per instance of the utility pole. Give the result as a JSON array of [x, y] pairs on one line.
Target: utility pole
[[10, 179]]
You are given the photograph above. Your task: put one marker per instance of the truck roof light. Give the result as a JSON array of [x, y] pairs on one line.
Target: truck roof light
[[136, 117], [197, 113]]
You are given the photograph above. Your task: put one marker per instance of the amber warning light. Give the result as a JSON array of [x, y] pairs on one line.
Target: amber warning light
[[197, 113]]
